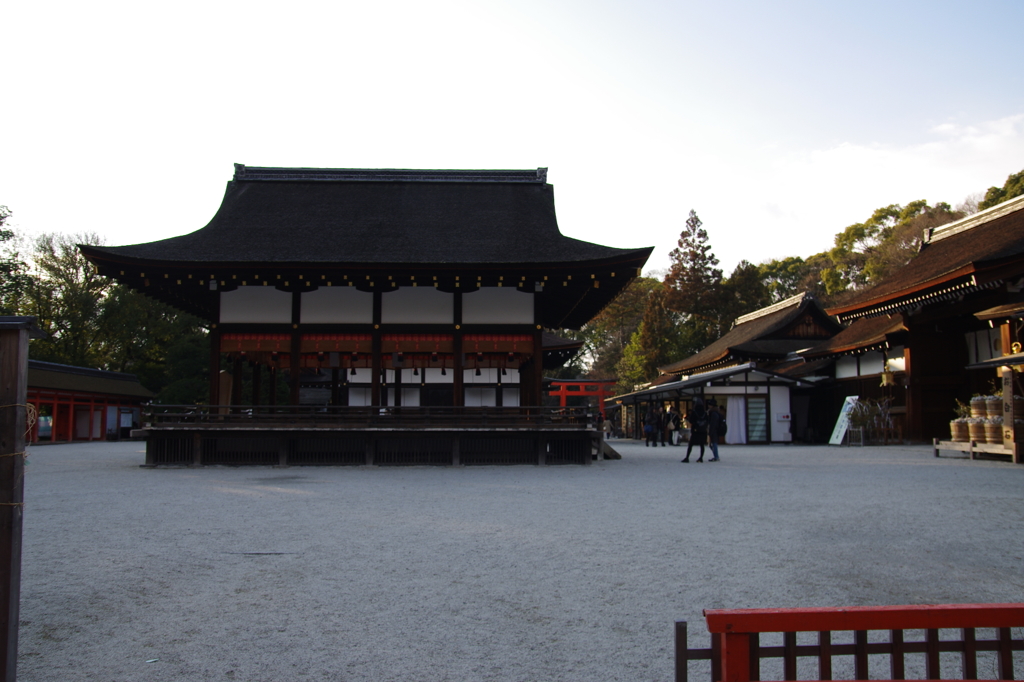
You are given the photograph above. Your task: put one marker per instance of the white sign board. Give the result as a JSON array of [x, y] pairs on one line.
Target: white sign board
[[843, 422]]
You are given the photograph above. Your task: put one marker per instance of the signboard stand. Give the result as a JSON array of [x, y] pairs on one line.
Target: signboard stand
[[843, 423]]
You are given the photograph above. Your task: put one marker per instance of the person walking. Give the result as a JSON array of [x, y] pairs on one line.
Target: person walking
[[698, 418], [652, 425], [715, 420]]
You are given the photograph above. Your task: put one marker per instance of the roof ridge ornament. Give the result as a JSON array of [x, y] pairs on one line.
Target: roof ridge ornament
[[251, 173]]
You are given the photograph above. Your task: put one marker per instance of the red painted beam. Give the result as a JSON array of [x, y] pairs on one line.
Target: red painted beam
[[865, 618]]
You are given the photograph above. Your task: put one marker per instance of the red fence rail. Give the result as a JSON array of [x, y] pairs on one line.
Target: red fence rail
[[736, 652]]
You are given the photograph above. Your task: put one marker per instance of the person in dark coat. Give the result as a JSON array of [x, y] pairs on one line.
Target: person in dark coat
[[714, 423], [653, 426], [698, 418]]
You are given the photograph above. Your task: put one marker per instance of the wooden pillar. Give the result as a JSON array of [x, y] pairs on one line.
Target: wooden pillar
[[295, 368], [913, 418], [236, 380], [537, 377], [458, 361], [375, 350], [735, 656], [214, 366], [272, 398], [257, 383], [14, 336], [377, 364], [335, 391]]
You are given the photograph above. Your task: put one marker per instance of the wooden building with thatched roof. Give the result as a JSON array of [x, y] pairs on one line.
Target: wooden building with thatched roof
[[412, 289]]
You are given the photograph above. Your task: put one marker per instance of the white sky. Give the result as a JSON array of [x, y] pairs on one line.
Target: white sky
[[779, 122]]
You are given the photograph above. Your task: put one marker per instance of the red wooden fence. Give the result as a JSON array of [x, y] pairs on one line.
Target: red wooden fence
[[736, 652]]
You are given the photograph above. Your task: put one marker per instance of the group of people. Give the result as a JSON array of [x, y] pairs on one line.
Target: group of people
[[705, 424]]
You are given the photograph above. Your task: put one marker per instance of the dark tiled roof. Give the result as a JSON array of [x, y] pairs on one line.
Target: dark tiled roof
[[51, 375], [751, 337], [339, 216], [862, 334], [978, 245]]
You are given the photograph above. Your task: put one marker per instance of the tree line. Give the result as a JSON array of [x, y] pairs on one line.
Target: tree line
[[91, 321]]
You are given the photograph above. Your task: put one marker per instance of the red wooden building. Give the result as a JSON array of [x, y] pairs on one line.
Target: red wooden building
[[78, 403]]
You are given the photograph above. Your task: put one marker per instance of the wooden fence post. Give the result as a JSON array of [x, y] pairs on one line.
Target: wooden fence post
[[14, 336], [735, 657]]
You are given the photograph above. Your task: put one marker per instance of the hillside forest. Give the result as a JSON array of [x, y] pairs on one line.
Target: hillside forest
[[91, 321]]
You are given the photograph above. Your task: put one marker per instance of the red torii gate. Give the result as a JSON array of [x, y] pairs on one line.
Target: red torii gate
[[564, 388]]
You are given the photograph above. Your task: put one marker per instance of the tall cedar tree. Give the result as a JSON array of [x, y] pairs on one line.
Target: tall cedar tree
[[695, 284]]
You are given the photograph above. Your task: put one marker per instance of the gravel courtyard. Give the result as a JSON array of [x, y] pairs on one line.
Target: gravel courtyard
[[491, 573]]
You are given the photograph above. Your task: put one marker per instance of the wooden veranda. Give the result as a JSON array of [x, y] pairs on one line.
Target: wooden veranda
[[181, 435]]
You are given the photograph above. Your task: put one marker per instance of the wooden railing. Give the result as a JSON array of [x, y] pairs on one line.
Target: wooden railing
[[299, 416], [736, 653]]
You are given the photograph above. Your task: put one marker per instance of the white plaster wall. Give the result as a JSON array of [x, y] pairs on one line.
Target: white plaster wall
[[481, 397], [897, 362], [846, 367], [417, 305], [497, 305], [983, 345], [337, 305], [359, 397], [363, 375], [434, 376], [260, 304], [488, 375], [510, 397], [778, 404], [871, 363]]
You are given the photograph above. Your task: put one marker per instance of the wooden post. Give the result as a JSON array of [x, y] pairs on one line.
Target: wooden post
[[735, 657], [236, 380], [295, 367], [458, 387], [257, 384], [376, 395], [1009, 432], [14, 336], [214, 367]]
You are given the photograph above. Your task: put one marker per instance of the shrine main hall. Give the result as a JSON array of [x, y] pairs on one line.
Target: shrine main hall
[[424, 304]]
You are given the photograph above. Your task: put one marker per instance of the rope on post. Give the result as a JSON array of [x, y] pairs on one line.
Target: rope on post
[[31, 415]]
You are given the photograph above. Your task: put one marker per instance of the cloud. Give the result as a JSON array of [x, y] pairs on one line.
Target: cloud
[[804, 197]]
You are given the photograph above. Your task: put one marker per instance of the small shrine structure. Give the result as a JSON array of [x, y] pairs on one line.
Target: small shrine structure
[[418, 300]]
